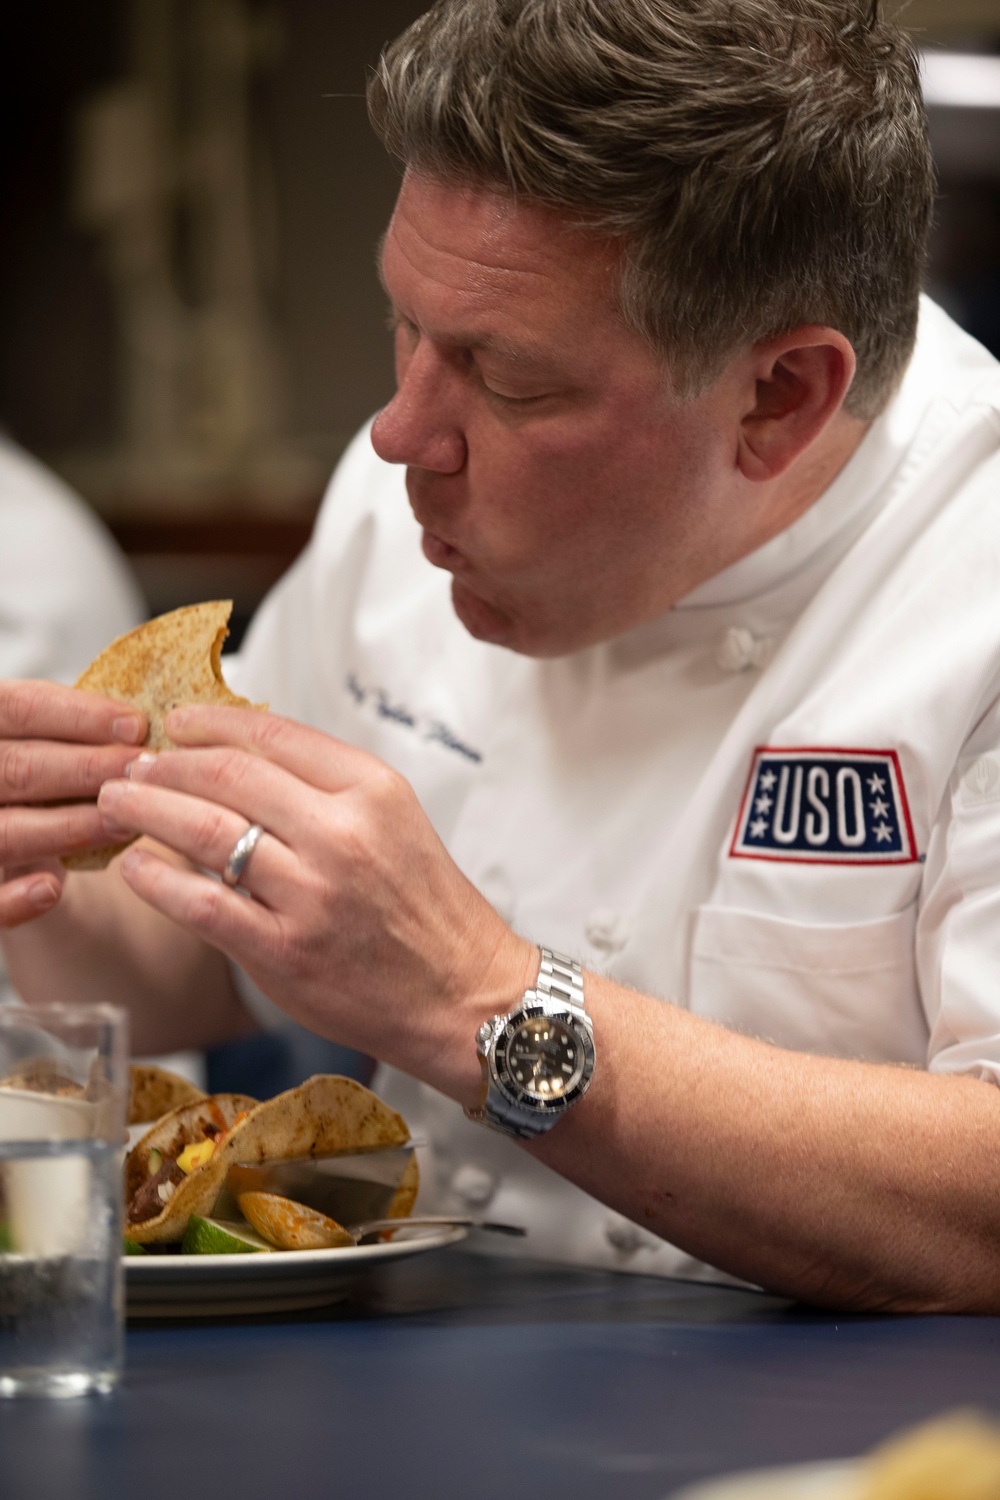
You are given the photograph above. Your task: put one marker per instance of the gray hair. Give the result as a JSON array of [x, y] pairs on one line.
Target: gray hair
[[764, 162]]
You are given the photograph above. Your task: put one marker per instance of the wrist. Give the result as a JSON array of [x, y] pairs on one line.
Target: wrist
[[511, 970], [536, 1060]]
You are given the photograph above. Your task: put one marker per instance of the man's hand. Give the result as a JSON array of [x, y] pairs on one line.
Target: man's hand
[[361, 926], [57, 747]]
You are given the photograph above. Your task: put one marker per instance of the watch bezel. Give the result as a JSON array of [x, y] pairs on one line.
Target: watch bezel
[[515, 1094]]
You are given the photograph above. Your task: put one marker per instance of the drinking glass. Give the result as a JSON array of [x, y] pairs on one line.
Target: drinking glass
[[63, 1089]]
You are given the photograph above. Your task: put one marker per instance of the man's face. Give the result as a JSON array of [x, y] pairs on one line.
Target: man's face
[[555, 474]]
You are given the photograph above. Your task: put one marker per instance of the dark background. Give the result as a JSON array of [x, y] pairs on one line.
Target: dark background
[[334, 189]]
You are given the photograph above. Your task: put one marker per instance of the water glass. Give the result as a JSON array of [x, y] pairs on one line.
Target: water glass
[[63, 1091]]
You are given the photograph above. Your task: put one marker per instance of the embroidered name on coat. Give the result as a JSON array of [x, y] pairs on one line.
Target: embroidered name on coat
[[384, 707], [825, 807]]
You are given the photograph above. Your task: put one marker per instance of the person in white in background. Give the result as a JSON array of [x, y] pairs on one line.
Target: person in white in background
[[66, 592], [65, 589], [705, 691]]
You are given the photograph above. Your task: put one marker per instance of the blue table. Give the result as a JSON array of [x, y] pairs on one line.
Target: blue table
[[460, 1377]]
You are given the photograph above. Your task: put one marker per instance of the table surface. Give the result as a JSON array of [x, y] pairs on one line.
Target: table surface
[[454, 1375]]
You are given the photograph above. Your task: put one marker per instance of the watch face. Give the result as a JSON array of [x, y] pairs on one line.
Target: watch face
[[542, 1058]]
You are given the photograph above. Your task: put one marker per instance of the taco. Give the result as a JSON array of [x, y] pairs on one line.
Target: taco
[[171, 660], [154, 1091], [179, 1167]]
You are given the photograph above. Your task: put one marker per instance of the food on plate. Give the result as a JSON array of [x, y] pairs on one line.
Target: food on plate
[[160, 1195], [179, 1167], [214, 1237], [954, 1458], [173, 659], [153, 1091], [290, 1225], [43, 1075]]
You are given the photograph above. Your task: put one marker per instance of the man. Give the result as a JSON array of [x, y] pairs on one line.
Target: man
[[721, 720]]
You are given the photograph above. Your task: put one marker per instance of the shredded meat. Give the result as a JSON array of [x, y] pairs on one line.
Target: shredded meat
[[147, 1200]]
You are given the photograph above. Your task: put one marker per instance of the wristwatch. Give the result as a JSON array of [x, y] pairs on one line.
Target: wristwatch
[[538, 1060]]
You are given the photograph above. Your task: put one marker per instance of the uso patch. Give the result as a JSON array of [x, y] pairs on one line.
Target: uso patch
[[845, 807]]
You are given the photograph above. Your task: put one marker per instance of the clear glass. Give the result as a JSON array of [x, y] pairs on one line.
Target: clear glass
[[63, 1089]]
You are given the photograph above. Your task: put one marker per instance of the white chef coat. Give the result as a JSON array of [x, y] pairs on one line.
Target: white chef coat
[[608, 803], [65, 590]]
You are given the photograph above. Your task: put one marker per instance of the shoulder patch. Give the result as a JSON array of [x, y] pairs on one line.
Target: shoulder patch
[[819, 806]]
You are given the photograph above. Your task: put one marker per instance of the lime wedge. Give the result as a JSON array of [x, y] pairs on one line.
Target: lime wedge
[[213, 1237]]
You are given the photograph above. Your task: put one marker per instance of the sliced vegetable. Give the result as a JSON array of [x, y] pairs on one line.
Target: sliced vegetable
[[196, 1155], [214, 1237]]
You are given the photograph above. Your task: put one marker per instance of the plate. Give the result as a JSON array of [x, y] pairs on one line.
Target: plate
[[826, 1481], [206, 1286]]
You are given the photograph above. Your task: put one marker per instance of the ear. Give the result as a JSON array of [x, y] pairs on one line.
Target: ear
[[797, 386]]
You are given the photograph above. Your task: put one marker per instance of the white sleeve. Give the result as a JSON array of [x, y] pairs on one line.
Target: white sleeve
[[958, 930], [65, 590]]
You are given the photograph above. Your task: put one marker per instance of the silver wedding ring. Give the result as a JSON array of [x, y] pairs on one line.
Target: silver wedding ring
[[240, 857]]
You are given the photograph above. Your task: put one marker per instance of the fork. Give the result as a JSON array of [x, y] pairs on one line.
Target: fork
[[369, 1227]]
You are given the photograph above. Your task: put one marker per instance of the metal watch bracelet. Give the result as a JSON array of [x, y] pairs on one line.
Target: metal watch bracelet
[[561, 978], [560, 981]]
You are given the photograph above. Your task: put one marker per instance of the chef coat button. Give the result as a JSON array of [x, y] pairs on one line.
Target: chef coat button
[[607, 930], [738, 648], [474, 1185], [627, 1237]]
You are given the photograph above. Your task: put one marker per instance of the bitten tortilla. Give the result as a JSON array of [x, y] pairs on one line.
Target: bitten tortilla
[[172, 660], [326, 1114]]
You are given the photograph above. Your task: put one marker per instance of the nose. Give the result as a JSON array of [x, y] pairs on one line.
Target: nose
[[420, 427]]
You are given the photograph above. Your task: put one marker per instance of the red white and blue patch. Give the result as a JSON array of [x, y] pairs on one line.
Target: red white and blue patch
[[845, 807]]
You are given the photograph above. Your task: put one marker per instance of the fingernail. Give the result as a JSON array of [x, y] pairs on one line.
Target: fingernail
[[130, 862], [43, 894], [116, 832], [138, 769], [110, 796], [128, 729]]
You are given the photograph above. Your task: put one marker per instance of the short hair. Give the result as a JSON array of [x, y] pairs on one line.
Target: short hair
[[764, 162]]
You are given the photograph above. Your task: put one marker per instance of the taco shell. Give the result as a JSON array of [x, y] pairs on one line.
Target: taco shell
[[324, 1115], [154, 1091], [171, 660]]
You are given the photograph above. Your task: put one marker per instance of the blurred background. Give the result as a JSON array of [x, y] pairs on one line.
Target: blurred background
[[190, 325]]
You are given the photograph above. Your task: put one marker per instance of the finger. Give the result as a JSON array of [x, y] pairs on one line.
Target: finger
[[316, 758], [244, 930], [202, 831], [28, 834], [40, 770], [258, 790], [47, 710], [28, 897]]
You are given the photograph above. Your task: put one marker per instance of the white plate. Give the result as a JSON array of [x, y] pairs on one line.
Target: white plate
[[826, 1481], [203, 1286]]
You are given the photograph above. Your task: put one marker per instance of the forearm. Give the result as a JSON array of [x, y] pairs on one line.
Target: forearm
[[849, 1184], [102, 943]]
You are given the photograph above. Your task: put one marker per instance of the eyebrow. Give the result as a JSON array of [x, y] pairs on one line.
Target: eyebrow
[[525, 355]]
